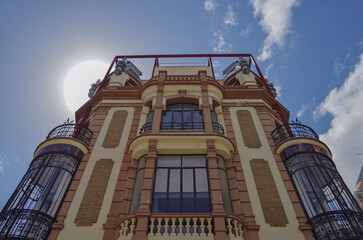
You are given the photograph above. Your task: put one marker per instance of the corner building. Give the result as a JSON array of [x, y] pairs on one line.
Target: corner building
[[182, 155]]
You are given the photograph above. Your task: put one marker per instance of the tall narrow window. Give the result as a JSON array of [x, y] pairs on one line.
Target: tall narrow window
[[215, 125], [149, 120], [139, 180], [182, 116], [181, 184], [223, 180]]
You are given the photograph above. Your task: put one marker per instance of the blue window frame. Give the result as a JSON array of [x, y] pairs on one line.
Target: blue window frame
[[181, 184], [182, 116]]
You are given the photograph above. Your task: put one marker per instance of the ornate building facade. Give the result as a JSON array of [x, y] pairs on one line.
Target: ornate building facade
[[182, 155]]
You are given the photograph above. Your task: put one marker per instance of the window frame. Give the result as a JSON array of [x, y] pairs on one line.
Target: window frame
[[174, 125], [167, 198]]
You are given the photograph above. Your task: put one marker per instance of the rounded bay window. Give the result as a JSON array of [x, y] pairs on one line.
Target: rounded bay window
[[32, 208], [330, 207]]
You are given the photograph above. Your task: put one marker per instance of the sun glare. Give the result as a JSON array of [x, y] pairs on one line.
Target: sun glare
[[78, 81]]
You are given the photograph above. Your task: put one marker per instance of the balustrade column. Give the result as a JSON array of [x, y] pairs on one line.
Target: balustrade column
[[218, 211], [144, 211]]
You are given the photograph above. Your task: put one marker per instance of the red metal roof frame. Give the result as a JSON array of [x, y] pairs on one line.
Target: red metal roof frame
[[251, 60]]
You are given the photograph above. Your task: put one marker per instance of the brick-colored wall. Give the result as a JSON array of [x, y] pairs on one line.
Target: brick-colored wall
[[267, 191], [95, 191], [114, 131], [248, 129]]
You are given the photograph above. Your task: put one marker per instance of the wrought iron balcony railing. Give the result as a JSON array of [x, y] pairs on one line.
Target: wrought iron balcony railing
[[146, 127], [217, 127], [72, 131], [292, 130]]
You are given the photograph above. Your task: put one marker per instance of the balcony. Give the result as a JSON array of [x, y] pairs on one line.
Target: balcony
[[292, 130], [217, 127], [78, 132], [182, 226]]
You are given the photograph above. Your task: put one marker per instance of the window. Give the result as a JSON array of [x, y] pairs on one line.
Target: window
[[223, 180], [215, 125], [139, 181], [181, 184], [182, 116], [149, 120]]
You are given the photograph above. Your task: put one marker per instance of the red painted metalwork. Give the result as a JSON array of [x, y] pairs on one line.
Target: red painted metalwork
[[209, 56], [156, 64], [261, 76], [279, 111], [210, 63], [86, 115], [107, 73]]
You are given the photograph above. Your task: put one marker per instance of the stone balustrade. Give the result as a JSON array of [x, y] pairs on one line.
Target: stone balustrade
[[127, 228], [234, 228], [181, 228]]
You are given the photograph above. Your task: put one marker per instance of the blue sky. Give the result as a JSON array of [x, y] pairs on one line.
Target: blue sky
[[311, 50]]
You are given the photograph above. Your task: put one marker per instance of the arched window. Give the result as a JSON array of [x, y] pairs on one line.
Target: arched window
[[181, 184], [182, 116]]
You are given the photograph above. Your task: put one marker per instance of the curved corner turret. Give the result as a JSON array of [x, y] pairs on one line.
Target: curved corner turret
[[34, 205], [328, 204]]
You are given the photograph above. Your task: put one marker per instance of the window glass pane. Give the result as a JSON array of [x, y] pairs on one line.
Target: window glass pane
[[198, 120], [201, 180], [221, 163], [160, 190], [166, 116], [141, 163], [139, 181], [177, 116], [188, 106], [213, 116], [194, 161], [174, 191], [161, 180], [187, 120], [202, 202], [188, 190], [177, 106], [177, 120], [169, 161], [150, 116], [226, 197], [198, 116]]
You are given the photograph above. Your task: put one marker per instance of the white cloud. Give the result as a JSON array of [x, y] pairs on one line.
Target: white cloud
[[246, 31], [345, 136], [361, 43], [338, 67], [209, 5], [222, 45], [216, 63], [268, 70], [275, 21], [231, 17], [278, 88], [305, 107], [349, 51], [1, 166]]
